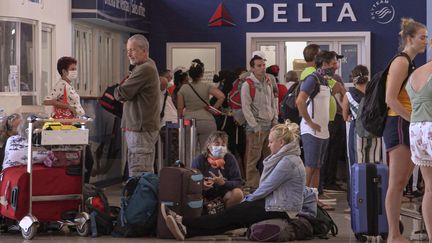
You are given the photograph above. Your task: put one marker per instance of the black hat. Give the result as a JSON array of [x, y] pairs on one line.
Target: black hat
[[338, 56]]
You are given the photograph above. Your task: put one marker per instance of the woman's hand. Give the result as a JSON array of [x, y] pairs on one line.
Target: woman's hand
[[72, 109], [218, 180]]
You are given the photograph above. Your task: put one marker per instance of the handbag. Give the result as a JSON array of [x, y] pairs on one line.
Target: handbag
[[109, 103], [214, 111], [64, 158], [63, 113]]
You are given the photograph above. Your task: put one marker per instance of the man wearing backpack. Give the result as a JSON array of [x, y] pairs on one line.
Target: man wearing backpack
[[260, 113], [315, 112]]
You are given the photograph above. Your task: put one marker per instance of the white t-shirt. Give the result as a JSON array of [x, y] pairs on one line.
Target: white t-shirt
[[170, 112], [321, 116]]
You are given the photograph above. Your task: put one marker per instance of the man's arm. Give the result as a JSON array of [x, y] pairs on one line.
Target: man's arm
[[135, 83], [306, 89], [246, 101]]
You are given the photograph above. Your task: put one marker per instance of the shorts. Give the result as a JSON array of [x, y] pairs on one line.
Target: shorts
[[421, 143], [315, 150], [396, 132]]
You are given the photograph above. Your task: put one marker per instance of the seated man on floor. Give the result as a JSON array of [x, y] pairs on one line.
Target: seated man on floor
[[222, 179]]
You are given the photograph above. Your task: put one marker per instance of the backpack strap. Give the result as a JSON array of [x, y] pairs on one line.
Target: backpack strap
[[162, 113], [314, 92], [411, 68], [252, 88]]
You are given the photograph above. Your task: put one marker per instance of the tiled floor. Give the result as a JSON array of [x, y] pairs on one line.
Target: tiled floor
[[113, 192]]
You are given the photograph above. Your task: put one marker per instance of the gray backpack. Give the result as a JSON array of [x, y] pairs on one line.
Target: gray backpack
[[361, 131]]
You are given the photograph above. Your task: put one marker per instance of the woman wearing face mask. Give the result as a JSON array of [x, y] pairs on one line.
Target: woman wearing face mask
[[220, 170], [281, 193], [67, 68]]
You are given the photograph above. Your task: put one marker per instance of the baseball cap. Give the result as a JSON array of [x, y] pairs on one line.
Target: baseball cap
[[260, 54], [338, 56], [182, 68]]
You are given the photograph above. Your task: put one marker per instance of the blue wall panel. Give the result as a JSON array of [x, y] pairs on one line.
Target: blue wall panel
[[187, 21]]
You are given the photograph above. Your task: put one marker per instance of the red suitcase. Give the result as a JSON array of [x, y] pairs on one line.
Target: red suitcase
[[14, 194]]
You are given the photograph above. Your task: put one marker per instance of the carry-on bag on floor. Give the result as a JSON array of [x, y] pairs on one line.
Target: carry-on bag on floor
[[369, 183], [181, 190], [14, 194]]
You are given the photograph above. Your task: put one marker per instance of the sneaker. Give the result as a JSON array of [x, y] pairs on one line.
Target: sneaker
[[166, 212], [176, 228]]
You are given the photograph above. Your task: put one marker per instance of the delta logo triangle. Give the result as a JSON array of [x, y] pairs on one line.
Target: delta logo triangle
[[221, 17]]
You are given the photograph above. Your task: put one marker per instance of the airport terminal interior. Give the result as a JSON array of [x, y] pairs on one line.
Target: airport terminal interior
[[215, 120]]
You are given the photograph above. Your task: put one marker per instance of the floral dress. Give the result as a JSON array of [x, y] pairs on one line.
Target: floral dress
[[16, 153]]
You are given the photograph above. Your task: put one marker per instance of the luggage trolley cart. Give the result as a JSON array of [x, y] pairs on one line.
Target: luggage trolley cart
[[30, 223]]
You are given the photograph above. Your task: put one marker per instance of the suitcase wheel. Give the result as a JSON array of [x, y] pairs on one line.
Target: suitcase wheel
[[30, 232], [84, 230]]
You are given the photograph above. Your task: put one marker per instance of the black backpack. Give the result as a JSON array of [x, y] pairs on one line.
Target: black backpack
[[374, 109], [288, 105], [101, 221], [322, 224]]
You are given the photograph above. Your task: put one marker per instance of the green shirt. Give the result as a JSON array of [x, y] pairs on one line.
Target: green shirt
[[333, 108], [421, 101]]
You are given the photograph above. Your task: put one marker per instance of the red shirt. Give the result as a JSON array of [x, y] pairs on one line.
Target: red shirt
[[282, 92]]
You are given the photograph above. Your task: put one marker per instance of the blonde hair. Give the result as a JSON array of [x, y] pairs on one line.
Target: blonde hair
[[409, 28], [288, 131]]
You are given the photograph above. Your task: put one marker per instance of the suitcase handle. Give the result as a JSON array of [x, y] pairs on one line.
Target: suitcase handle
[[14, 199], [179, 164]]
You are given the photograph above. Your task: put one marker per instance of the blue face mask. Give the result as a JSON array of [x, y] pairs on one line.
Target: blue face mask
[[218, 151]]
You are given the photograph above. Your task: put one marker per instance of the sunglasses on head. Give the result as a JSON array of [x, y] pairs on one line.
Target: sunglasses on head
[[9, 120]]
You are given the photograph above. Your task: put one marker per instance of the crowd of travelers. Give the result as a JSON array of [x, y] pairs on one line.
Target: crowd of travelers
[[260, 163]]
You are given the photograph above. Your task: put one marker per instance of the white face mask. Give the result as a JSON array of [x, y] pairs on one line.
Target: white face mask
[[72, 75], [218, 151]]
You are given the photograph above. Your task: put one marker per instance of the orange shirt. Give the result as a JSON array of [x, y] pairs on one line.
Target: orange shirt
[[404, 100]]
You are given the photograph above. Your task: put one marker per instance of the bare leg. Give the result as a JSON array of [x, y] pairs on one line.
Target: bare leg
[[401, 168], [309, 175], [426, 209], [233, 197], [315, 178]]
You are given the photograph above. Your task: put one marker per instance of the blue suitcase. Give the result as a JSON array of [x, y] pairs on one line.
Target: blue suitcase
[[369, 183]]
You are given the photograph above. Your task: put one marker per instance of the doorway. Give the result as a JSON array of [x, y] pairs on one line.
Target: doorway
[[286, 49]]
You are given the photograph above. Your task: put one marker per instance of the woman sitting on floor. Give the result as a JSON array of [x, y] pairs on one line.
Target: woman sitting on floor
[[281, 192], [220, 170]]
